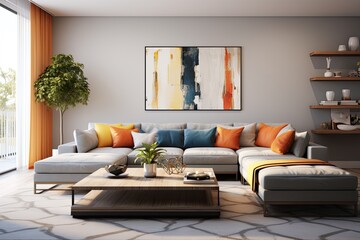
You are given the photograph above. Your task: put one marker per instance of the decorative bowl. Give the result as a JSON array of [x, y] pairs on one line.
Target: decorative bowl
[[116, 169], [346, 127]]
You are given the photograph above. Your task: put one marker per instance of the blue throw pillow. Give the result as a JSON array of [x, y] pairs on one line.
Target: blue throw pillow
[[199, 138], [171, 138]]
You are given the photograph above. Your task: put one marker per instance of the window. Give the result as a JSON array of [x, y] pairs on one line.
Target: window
[[8, 66]]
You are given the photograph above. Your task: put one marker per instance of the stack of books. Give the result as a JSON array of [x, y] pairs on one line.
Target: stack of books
[[199, 178], [349, 102], [329, 103]]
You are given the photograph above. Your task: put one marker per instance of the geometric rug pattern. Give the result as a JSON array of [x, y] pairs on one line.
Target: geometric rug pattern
[[24, 215]]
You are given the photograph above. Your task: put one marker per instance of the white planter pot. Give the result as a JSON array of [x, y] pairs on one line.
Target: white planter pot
[[150, 170], [353, 43]]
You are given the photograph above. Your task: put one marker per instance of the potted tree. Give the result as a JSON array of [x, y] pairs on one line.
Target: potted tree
[[62, 85], [149, 156]]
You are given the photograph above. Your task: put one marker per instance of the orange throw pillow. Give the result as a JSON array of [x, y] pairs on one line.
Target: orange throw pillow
[[267, 134], [282, 143], [228, 137], [122, 137]]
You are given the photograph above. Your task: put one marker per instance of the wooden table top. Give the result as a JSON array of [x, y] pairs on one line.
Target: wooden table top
[[100, 180]]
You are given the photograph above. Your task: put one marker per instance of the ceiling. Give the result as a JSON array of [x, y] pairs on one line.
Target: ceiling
[[202, 8]]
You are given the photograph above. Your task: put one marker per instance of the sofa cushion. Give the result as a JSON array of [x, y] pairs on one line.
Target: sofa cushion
[[78, 162], [306, 177], [267, 134], [228, 138], [125, 151], [288, 127], [85, 140], [282, 143], [248, 135], [300, 144], [199, 138], [170, 138], [209, 156], [122, 137], [249, 155], [140, 138], [170, 153], [104, 134], [149, 127]]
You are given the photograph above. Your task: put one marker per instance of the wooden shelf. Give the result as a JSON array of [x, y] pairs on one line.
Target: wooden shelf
[[330, 131], [335, 53], [334, 107], [335, 79]]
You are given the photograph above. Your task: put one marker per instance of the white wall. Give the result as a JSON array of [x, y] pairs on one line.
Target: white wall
[[276, 69]]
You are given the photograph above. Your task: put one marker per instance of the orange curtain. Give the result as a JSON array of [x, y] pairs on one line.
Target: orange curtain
[[40, 114]]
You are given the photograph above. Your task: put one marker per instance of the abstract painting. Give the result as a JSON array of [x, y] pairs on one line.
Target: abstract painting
[[193, 78]]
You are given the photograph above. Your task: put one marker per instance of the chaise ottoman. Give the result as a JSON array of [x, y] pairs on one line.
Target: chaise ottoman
[[72, 167], [305, 184]]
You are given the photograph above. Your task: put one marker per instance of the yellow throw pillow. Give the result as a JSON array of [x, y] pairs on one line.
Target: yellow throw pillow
[[104, 134], [283, 143], [267, 134], [228, 137]]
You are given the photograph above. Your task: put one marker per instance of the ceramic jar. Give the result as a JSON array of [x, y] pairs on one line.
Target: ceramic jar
[[330, 95]]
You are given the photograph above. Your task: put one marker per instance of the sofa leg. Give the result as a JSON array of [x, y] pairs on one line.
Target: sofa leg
[[242, 180], [266, 211], [237, 176]]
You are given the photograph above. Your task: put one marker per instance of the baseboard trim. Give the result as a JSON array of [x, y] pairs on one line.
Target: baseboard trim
[[346, 164]]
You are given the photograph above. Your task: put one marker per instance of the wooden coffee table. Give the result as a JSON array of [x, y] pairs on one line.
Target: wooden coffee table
[[137, 196]]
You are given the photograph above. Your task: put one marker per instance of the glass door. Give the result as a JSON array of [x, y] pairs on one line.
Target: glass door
[[8, 65]]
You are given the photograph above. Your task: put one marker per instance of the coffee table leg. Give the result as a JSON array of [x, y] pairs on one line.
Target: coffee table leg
[[218, 197]]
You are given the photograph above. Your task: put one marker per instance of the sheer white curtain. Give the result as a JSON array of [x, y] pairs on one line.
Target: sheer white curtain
[[22, 7], [23, 85]]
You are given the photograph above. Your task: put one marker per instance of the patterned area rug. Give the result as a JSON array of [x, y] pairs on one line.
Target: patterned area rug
[[24, 215]]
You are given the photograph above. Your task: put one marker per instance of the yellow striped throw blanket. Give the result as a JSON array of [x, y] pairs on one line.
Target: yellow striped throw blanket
[[255, 168]]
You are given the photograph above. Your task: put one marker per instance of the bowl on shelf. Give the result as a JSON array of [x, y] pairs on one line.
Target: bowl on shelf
[[116, 169], [346, 127]]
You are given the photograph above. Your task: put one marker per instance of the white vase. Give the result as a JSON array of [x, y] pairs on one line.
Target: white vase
[[328, 73], [150, 170], [330, 95], [353, 43]]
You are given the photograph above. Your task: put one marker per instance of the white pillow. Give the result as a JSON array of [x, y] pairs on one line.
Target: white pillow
[[85, 140], [285, 129], [300, 144], [140, 138], [247, 137]]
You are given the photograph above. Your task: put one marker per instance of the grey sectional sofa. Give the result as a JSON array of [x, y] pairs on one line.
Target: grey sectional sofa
[[277, 185], [222, 160]]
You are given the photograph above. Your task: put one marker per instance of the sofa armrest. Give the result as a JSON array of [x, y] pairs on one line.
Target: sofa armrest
[[67, 148], [316, 151]]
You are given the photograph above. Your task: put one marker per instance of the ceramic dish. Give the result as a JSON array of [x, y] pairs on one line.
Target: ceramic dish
[[345, 127]]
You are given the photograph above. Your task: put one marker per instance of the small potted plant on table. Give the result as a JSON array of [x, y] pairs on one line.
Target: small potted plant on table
[[149, 156]]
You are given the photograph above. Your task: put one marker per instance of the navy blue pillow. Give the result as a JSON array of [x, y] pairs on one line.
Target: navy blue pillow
[[199, 138], [171, 138]]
